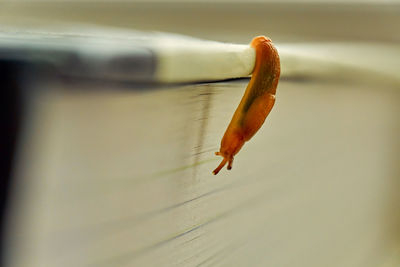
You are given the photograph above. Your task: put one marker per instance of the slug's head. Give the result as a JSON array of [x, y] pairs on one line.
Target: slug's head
[[230, 145]]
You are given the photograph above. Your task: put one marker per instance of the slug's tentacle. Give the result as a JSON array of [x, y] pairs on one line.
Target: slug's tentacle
[[220, 166], [257, 102], [230, 164]]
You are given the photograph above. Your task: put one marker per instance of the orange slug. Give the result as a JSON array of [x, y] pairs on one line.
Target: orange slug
[[256, 103]]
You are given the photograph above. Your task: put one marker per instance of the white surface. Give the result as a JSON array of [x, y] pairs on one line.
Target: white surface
[[182, 58], [110, 177], [187, 60]]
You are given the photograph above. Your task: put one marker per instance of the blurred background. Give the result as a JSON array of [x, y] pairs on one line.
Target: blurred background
[[99, 170]]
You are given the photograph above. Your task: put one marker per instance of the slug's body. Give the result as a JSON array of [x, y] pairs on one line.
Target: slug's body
[[256, 103]]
